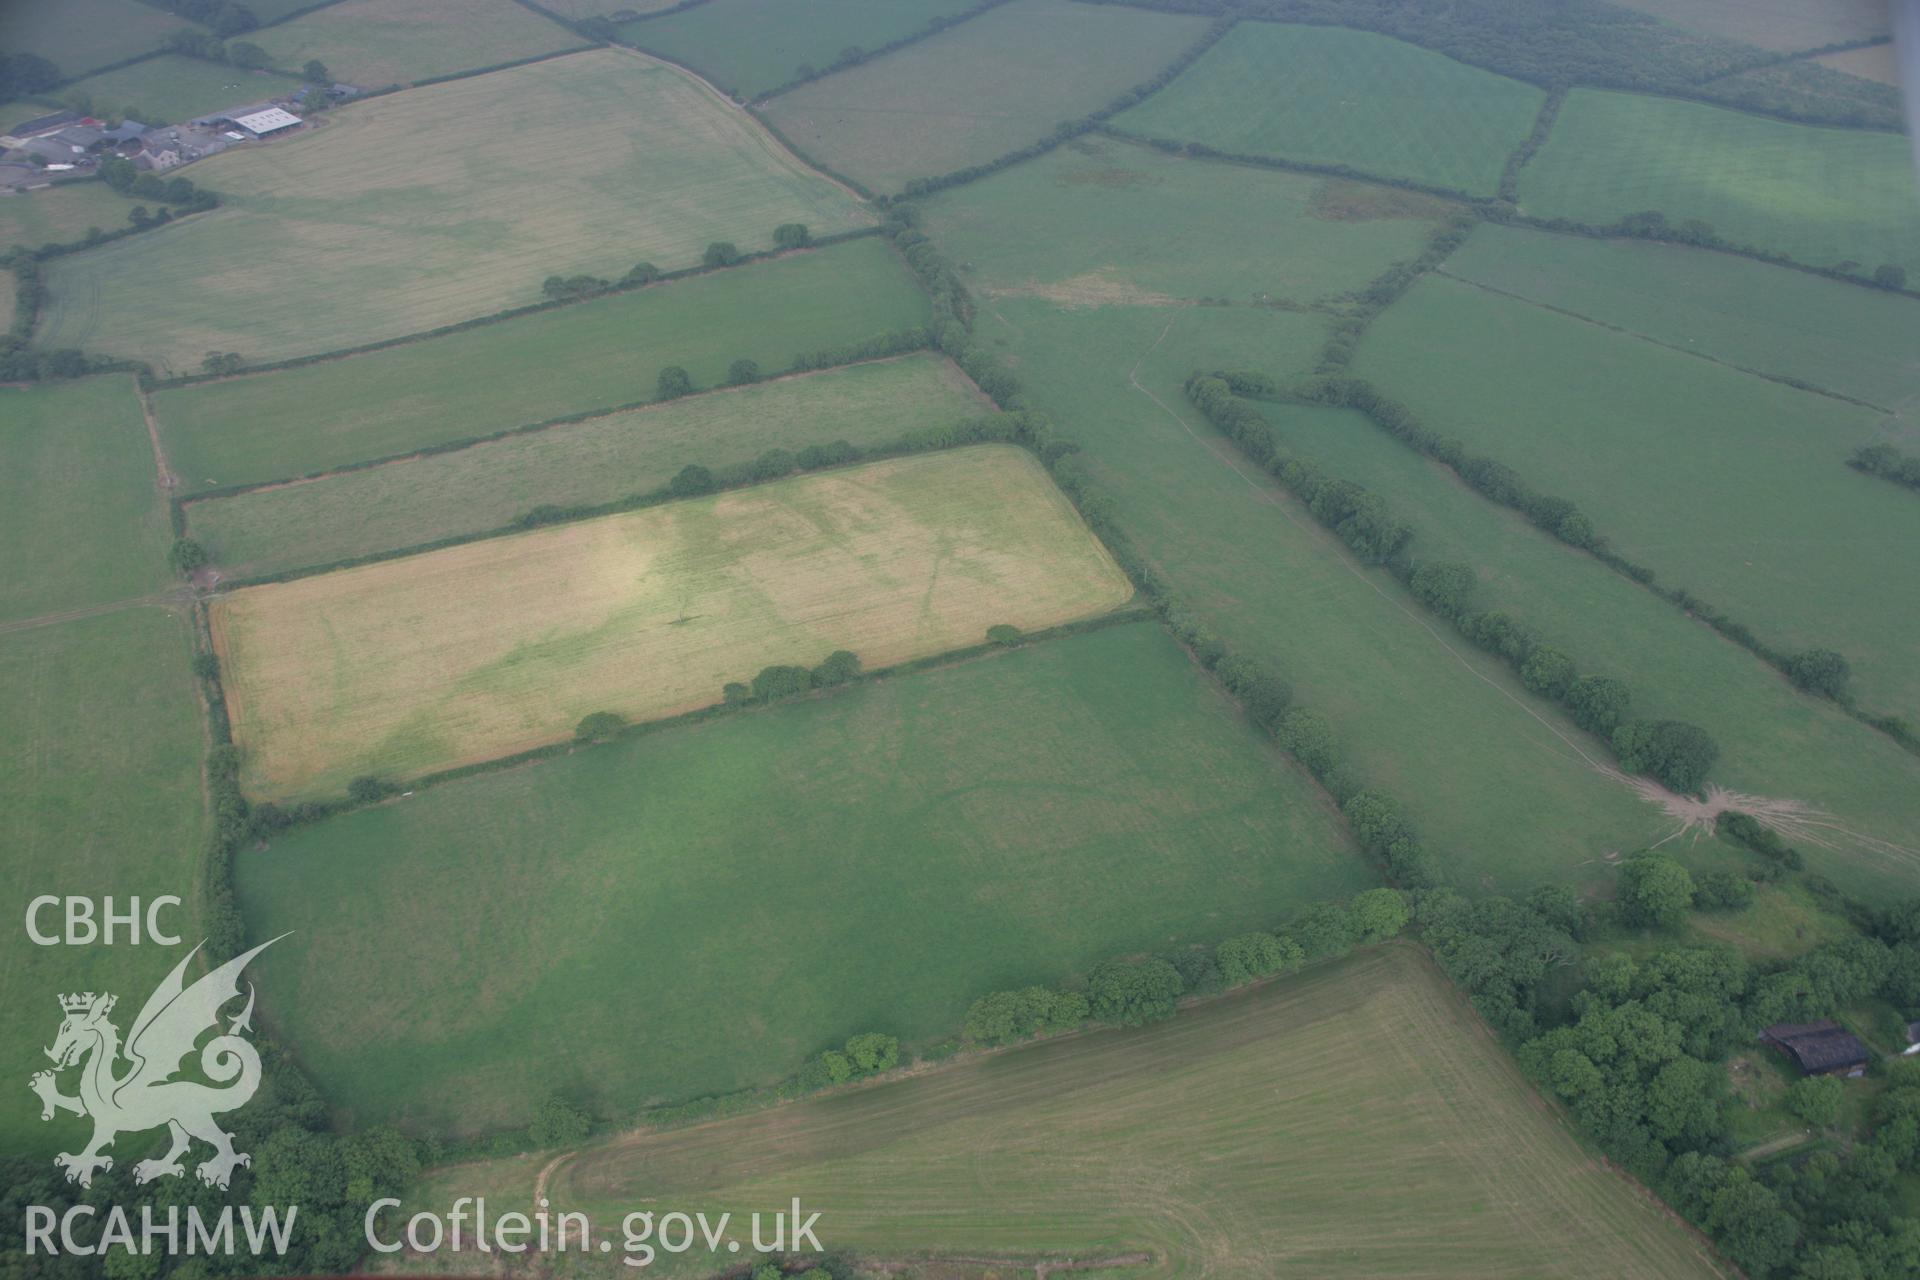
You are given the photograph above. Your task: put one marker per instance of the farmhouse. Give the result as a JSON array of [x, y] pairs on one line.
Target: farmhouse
[[1821, 1048]]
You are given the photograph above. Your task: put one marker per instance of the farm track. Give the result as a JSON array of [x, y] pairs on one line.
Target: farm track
[[178, 598]]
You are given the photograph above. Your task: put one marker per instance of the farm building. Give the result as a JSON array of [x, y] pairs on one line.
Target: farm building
[[1821, 1048], [259, 124]]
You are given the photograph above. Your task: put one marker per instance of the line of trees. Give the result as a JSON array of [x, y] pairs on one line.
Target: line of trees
[[1677, 753], [1131, 990], [1888, 463]]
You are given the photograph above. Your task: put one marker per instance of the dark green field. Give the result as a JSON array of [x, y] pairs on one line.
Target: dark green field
[[99, 793], [716, 903], [591, 355], [80, 515], [1673, 456], [1328, 96]]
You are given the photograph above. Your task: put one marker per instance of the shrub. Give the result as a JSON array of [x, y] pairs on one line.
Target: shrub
[[721, 253], [1003, 634], [873, 1052], [598, 726], [1816, 1100], [1443, 586], [743, 371], [1820, 671], [1722, 891], [839, 667], [691, 481], [792, 235], [777, 682], [1598, 703], [558, 1123], [1130, 993], [370, 788], [641, 273], [1548, 672], [185, 556], [1308, 737]]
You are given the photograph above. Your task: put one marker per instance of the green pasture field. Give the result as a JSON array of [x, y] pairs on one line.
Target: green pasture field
[[1819, 196], [99, 794], [375, 43], [989, 86], [578, 9], [78, 35], [80, 514], [748, 47], [1826, 333], [173, 88], [1152, 227], [1775, 744], [61, 214], [7, 298], [1487, 774], [1731, 486], [567, 360], [1774, 24], [1354, 1121], [1328, 95], [420, 209], [408, 503], [486, 649], [719, 902]]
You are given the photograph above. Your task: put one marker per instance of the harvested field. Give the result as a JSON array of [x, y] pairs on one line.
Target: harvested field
[[374, 43], [1354, 1121], [424, 208], [419, 500], [1331, 96], [1784, 25], [481, 650], [989, 86]]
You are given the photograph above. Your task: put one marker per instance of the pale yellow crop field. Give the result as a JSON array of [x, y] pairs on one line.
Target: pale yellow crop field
[[481, 650]]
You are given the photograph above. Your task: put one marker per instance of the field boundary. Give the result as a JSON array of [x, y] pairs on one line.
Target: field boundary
[[728, 477], [512, 313], [1783, 379]]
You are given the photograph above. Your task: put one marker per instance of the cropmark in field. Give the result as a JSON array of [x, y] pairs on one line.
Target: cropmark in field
[[480, 650]]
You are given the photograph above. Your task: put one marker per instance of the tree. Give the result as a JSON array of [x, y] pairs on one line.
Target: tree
[[1816, 1100], [1548, 672], [691, 481], [721, 253], [1890, 276], [1677, 753], [1004, 635], [185, 556], [742, 371], [641, 273], [872, 1052], [674, 382], [839, 667], [1308, 737], [1131, 993], [1378, 914], [558, 1123], [370, 788], [792, 235], [1655, 890], [315, 72], [1820, 671], [1683, 1102], [777, 682], [1598, 703], [598, 726], [1255, 955], [1443, 586], [247, 55], [221, 362], [1722, 891]]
